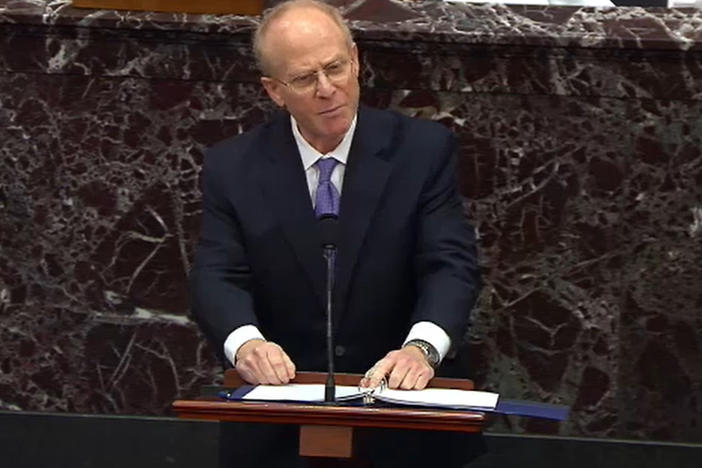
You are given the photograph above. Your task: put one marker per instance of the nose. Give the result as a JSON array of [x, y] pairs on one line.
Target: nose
[[325, 88]]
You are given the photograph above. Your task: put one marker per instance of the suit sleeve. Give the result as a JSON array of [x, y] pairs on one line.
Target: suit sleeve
[[220, 279], [448, 278]]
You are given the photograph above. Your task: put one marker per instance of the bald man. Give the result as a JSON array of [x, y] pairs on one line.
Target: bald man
[[406, 272]]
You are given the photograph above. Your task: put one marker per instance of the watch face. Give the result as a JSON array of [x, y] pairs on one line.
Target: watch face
[[433, 359], [431, 355]]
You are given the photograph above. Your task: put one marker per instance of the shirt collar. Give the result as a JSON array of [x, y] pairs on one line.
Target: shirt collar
[[310, 155]]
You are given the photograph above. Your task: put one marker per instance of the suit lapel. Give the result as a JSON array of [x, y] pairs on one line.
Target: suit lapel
[[285, 188], [365, 178]]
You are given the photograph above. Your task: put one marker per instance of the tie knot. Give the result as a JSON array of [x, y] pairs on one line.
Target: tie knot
[[326, 167]]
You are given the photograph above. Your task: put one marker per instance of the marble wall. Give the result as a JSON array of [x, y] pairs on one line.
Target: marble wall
[[581, 164]]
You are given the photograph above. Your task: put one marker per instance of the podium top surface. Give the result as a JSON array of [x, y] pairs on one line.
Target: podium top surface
[[398, 417]]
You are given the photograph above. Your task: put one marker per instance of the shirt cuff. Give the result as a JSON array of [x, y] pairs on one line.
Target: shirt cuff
[[237, 338], [431, 333]]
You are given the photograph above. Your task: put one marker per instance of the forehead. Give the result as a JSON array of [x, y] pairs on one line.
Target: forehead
[[304, 63], [300, 42]]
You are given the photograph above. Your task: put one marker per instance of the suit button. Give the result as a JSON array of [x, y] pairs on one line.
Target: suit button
[[339, 350]]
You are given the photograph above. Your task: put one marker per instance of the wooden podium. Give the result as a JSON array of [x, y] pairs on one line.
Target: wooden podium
[[327, 431]]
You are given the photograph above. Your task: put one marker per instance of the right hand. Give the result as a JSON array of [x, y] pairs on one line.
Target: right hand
[[264, 362]]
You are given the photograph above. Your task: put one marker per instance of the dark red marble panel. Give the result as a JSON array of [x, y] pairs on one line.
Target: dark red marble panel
[[580, 161], [100, 208]]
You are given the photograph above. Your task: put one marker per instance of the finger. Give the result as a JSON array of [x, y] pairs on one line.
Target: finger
[[381, 369], [367, 382], [247, 361], [265, 370], [277, 362], [366, 379], [423, 379], [410, 380], [398, 374], [381, 372], [289, 365], [248, 371]]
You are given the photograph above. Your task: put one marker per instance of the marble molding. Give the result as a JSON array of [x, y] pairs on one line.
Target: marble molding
[[581, 162]]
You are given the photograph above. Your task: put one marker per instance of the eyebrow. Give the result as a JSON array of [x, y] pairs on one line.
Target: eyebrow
[[314, 70]]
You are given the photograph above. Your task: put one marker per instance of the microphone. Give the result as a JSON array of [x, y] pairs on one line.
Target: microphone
[[328, 230]]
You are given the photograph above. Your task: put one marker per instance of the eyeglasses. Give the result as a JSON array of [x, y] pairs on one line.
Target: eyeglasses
[[337, 72]]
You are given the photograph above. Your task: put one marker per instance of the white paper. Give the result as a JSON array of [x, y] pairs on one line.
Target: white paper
[[441, 397], [298, 392]]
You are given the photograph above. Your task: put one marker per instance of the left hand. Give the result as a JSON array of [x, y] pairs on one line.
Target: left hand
[[406, 368]]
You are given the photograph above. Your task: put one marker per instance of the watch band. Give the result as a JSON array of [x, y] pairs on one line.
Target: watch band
[[429, 351]]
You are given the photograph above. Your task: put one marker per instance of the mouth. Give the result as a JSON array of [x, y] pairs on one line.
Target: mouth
[[331, 111]]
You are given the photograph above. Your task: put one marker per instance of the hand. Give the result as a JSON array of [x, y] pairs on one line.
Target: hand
[[407, 369], [264, 362]]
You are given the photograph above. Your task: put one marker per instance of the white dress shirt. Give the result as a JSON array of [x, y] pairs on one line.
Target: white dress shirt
[[426, 331]]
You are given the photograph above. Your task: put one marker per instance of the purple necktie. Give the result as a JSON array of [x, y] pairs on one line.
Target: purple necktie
[[327, 200]]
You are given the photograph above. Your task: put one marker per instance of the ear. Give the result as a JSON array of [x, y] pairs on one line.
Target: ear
[[354, 59], [273, 88]]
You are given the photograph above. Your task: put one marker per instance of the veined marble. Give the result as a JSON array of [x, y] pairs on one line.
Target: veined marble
[[580, 161]]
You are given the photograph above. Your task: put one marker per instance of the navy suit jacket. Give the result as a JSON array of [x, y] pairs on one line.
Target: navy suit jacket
[[405, 252]]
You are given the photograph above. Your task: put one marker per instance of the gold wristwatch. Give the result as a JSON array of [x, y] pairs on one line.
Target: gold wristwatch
[[429, 351]]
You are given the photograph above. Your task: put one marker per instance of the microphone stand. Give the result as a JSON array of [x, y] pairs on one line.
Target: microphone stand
[[330, 385], [328, 231]]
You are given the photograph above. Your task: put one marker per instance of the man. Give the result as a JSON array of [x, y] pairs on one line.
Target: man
[[406, 263]]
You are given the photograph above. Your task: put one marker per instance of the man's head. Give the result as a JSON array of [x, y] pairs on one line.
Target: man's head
[[310, 67]]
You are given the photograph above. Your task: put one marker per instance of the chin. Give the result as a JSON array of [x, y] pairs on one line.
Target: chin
[[338, 126]]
